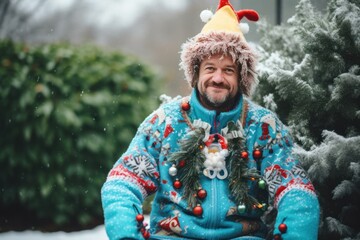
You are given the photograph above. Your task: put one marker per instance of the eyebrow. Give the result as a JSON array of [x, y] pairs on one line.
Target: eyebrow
[[226, 66], [208, 63], [230, 66]]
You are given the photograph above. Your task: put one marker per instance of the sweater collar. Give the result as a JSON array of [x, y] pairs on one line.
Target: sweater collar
[[217, 121]]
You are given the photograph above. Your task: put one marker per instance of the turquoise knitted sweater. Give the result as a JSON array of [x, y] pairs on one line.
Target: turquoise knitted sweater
[[143, 169]]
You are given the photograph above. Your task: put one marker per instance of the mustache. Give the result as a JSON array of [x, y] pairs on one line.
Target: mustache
[[218, 85]]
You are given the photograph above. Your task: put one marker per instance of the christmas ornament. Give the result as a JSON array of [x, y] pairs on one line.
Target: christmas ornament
[[146, 234], [140, 218], [257, 154], [262, 184], [244, 155], [182, 163], [264, 206], [173, 170], [241, 208], [277, 237], [185, 106], [177, 184], [282, 228], [198, 210], [201, 194]]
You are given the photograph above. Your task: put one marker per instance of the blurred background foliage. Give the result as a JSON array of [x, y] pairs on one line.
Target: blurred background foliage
[[66, 115]]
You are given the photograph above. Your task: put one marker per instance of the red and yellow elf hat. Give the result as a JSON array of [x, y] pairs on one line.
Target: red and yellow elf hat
[[221, 34]]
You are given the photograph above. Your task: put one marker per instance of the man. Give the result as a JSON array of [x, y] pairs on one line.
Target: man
[[215, 160]]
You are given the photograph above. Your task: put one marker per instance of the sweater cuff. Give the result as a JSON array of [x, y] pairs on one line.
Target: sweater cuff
[[298, 210], [118, 197]]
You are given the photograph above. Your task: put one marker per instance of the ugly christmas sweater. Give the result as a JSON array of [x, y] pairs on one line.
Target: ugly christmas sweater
[[213, 175]]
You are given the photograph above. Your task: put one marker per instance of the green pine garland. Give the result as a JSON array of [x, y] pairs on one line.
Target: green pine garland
[[240, 174], [190, 152]]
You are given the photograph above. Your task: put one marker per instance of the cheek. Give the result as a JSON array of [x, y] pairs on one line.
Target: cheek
[[200, 83], [235, 83], [234, 86]]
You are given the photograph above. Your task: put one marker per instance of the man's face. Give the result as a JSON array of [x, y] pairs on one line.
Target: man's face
[[218, 82]]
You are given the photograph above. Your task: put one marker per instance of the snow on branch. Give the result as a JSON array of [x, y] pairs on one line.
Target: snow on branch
[[337, 227], [333, 158], [345, 188]]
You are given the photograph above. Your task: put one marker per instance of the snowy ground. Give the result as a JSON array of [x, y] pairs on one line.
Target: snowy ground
[[97, 233]]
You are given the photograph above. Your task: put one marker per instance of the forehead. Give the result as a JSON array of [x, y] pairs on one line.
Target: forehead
[[218, 58]]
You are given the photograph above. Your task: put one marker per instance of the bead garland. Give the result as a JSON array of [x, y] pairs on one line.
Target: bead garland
[[140, 223], [282, 228]]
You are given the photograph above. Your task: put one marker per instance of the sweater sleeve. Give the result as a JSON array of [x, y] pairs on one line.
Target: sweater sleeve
[[290, 189], [134, 176]]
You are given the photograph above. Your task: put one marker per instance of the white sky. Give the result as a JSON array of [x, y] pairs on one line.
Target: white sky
[[104, 11]]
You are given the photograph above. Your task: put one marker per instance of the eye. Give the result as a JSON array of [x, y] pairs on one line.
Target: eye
[[229, 70], [209, 68]]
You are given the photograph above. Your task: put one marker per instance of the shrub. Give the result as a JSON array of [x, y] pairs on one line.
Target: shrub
[[66, 115]]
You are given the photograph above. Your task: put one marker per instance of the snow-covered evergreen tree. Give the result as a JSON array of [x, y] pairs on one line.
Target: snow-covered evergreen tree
[[309, 74]]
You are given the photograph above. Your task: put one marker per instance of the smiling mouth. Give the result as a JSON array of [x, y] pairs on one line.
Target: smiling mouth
[[218, 87]]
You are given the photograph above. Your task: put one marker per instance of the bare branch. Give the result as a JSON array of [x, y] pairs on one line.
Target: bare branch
[[4, 6]]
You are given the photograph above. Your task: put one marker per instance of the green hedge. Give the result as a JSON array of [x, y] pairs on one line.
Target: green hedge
[[67, 113]]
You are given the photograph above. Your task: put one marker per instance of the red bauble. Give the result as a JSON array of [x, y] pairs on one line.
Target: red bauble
[[277, 237], [146, 235], [185, 106], [177, 184], [182, 163], [198, 210], [257, 154], [201, 194], [282, 228], [244, 154], [139, 217]]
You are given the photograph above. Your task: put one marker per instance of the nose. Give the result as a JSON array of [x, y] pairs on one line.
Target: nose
[[218, 76]]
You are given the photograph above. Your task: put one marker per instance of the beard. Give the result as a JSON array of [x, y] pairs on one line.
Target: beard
[[216, 102], [224, 103]]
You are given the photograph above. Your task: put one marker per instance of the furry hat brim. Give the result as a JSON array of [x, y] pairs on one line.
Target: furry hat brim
[[206, 44]]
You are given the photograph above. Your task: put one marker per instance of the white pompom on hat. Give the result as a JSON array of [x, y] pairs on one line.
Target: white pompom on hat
[[206, 15], [222, 33]]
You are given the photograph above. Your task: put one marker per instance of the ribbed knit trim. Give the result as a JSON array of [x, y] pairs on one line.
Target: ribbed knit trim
[[301, 187], [122, 173]]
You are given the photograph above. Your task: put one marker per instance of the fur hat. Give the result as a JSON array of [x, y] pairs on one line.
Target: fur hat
[[221, 34]]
